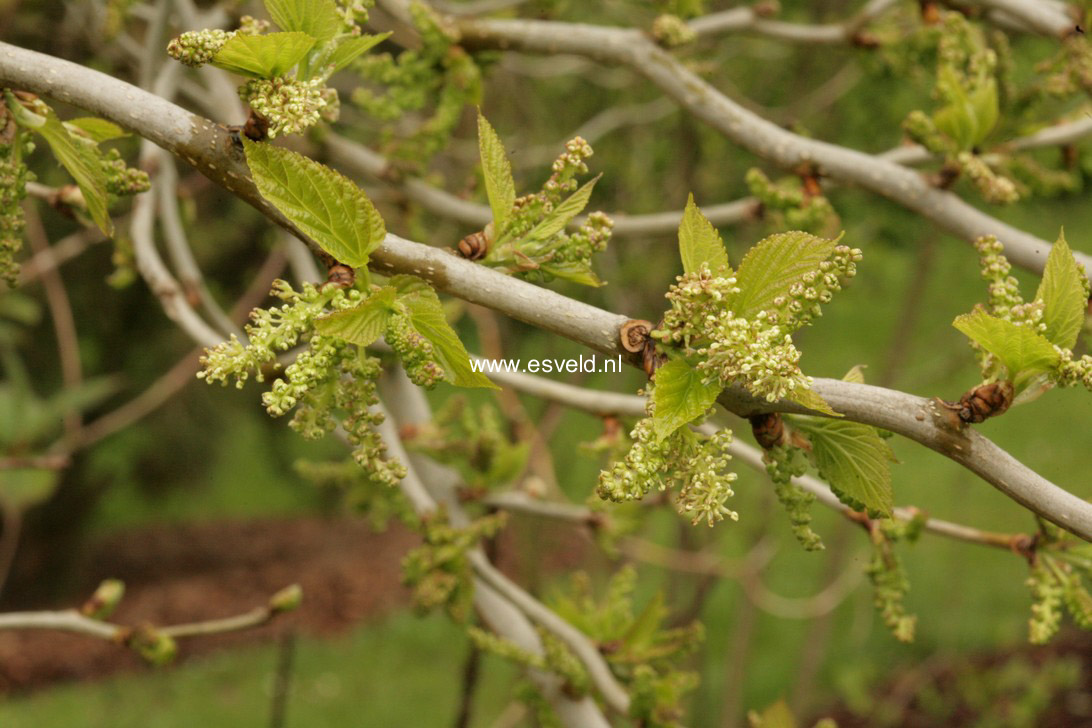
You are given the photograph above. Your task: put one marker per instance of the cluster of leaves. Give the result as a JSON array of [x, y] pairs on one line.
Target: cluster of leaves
[[439, 571], [890, 582], [527, 236], [967, 93], [1030, 344], [642, 652], [101, 175], [725, 328], [1060, 564], [789, 205], [287, 71], [472, 441], [439, 74]]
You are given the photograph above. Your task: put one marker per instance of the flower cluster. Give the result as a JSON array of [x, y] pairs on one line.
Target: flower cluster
[[783, 463], [122, 180], [672, 31], [994, 188], [696, 465], [439, 79], [1047, 593], [417, 353], [195, 48], [1072, 371], [15, 145], [329, 381], [290, 106], [890, 582], [788, 206]]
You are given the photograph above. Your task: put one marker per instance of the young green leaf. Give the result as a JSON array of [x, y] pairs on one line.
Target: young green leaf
[[500, 188], [777, 715], [263, 56], [575, 271], [97, 130], [348, 49], [362, 324], [75, 155], [772, 266], [427, 316], [1017, 347], [854, 459], [699, 242], [811, 399], [325, 205], [319, 19], [680, 397], [1062, 294], [556, 221]]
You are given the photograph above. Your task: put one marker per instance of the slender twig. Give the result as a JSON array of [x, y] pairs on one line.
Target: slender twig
[[64, 323]]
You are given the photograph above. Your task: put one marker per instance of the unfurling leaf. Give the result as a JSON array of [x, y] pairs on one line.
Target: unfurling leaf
[[319, 19], [560, 216], [97, 130], [263, 56], [699, 242], [325, 205], [680, 397], [427, 317], [774, 264], [362, 324], [811, 399], [500, 188], [350, 48], [1020, 349], [1062, 294], [854, 459]]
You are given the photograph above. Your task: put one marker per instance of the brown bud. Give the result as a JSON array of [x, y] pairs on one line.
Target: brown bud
[[475, 246], [340, 276], [768, 429], [256, 127], [983, 402], [634, 334]]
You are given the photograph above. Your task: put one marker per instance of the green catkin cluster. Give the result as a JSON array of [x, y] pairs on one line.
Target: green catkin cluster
[[329, 381], [290, 106], [994, 188], [439, 74], [15, 146], [1047, 594], [528, 210], [788, 206], [890, 582], [417, 353], [695, 465], [783, 463], [438, 571], [121, 179], [672, 31]]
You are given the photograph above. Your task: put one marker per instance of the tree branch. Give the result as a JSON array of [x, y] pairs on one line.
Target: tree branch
[[211, 149]]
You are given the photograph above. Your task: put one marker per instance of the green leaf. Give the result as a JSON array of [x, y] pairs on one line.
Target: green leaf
[[98, 130], [82, 162], [811, 399], [317, 18], [774, 264], [500, 188], [556, 221], [680, 397], [324, 204], [362, 324], [1019, 348], [854, 459], [575, 271], [856, 374], [699, 242], [348, 50], [1062, 294], [263, 56], [427, 316]]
